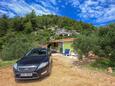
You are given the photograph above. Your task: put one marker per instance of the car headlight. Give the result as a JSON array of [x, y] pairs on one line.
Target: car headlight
[[42, 65], [15, 66]]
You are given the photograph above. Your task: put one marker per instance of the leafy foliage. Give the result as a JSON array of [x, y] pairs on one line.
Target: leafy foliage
[[28, 27], [15, 47], [101, 42], [42, 22], [19, 34]]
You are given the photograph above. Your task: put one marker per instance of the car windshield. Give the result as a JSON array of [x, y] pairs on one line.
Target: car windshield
[[37, 52]]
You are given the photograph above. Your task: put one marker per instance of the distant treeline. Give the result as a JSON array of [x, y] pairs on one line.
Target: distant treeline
[[31, 22]]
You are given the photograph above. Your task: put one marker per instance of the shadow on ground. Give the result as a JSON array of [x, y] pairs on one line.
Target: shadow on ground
[[32, 80]]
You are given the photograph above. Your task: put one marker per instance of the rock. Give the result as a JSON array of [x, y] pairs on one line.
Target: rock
[[92, 55], [109, 70]]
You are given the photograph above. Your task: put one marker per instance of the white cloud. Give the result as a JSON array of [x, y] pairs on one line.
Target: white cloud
[[74, 3], [109, 14], [21, 7], [100, 10], [53, 2], [3, 12]]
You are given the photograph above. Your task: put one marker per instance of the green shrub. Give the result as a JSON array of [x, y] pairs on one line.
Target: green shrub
[[102, 63], [101, 42], [86, 43], [16, 47], [6, 63], [28, 27]]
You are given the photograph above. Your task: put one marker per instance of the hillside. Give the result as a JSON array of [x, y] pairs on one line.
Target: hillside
[[19, 34], [31, 22]]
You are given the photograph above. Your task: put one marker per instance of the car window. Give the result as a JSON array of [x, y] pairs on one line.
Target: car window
[[37, 52]]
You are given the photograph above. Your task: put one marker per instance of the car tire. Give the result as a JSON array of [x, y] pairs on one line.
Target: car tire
[[16, 80]]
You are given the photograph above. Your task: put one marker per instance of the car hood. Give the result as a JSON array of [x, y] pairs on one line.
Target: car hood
[[32, 60]]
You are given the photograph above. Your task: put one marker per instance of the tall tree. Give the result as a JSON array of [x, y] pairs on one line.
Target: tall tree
[[18, 24], [33, 18], [28, 27], [4, 25]]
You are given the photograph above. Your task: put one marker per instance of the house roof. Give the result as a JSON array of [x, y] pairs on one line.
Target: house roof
[[64, 40]]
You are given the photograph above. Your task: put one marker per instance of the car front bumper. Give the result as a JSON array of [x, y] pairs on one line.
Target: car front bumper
[[35, 75]]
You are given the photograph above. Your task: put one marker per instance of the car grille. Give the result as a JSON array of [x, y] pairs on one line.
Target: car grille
[[26, 68]]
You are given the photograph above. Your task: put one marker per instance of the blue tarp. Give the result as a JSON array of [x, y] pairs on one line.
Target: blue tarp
[[67, 52]]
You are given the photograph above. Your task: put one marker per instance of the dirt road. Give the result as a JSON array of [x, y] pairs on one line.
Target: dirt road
[[63, 74]]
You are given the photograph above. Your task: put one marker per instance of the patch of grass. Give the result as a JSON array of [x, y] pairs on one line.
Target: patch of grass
[[6, 63], [89, 66], [99, 69]]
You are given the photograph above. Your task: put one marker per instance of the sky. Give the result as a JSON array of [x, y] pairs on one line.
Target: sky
[[96, 12]]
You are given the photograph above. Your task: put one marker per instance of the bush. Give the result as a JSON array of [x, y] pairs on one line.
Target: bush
[[102, 63], [15, 48], [86, 43], [102, 43], [28, 27]]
